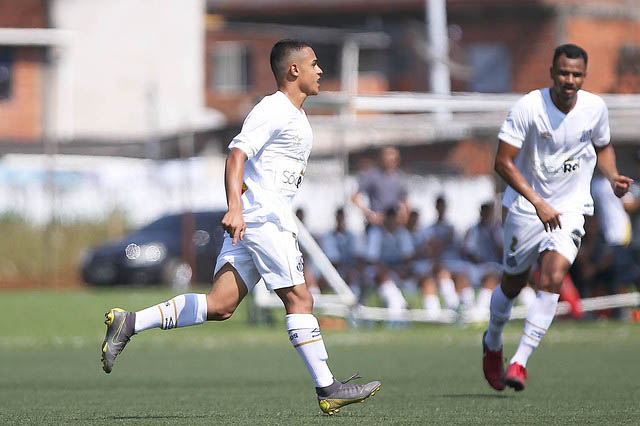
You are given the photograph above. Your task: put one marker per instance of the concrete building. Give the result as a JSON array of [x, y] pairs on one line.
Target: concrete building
[[495, 47], [103, 76]]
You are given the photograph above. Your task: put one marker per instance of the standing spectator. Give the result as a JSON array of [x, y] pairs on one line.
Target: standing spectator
[[385, 187]]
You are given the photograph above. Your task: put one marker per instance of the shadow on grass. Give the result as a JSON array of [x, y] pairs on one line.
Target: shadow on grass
[[476, 395], [154, 417]]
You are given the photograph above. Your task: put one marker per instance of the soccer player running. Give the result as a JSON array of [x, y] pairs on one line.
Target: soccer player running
[[264, 170], [548, 149]]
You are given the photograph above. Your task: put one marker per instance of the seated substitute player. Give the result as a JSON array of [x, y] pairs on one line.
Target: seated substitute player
[[264, 170], [549, 145], [345, 251]]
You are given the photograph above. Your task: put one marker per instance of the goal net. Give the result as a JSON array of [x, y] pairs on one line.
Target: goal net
[[344, 303]]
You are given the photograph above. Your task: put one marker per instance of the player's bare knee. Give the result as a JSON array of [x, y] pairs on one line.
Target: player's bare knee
[[220, 313], [551, 281], [304, 303], [297, 299], [217, 311]]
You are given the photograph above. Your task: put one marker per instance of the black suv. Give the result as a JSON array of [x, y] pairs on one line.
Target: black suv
[[175, 249]]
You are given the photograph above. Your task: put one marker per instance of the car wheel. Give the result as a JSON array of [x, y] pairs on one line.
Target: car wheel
[[103, 273], [178, 273]]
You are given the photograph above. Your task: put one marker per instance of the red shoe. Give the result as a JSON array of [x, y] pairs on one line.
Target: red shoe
[[492, 366], [515, 376]]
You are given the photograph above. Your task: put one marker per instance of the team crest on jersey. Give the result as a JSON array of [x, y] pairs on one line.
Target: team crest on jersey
[[545, 135], [586, 135]]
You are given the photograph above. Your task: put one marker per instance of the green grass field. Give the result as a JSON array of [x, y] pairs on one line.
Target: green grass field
[[233, 373]]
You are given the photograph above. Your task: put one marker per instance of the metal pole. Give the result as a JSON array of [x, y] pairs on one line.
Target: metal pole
[[350, 64], [50, 143], [436, 19], [186, 146]]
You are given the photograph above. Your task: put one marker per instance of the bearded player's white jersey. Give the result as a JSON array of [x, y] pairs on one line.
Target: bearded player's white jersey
[[557, 154], [277, 138]]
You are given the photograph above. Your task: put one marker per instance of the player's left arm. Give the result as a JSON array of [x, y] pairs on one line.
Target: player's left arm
[[607, 165]]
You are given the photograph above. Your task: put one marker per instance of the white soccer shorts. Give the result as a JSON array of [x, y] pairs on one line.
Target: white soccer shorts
[[525, 238], [266, 251]]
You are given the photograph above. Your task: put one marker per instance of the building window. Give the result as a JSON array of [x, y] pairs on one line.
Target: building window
[[6, 65], [491, 68], [230, 67]]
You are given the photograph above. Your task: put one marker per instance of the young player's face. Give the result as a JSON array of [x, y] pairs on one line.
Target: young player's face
[[309, 72], [568, 75]]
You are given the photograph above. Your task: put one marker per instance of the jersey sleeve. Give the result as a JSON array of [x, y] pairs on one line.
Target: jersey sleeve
[[258, 128], [514, 129], [601, 132]]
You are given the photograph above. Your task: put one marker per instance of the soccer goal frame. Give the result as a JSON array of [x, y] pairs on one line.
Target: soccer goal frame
[[344, 302]]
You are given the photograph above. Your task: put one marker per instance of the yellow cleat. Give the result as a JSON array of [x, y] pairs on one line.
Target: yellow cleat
[[346, 394], [120, 327]]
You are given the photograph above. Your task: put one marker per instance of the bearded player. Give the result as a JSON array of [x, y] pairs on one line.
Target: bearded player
[[549, 146]]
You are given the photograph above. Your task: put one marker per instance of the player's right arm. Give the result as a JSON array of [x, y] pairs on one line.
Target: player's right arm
[[371, 216], [232, 221], [506, 168]]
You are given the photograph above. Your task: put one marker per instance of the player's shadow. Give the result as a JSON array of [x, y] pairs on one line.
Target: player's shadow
[[475, 395], [157, 417]]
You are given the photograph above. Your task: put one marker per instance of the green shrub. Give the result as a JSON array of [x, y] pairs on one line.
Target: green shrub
[[52, 252]]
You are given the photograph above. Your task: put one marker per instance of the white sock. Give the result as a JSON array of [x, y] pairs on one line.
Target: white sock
[[484, 299], [538, 320], [304, 333], [500, 308], [181, 311], [467, 297], [392, 296], [431, 303], [447, 289]]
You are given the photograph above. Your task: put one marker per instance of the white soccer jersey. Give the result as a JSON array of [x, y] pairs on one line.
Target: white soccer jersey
[[277, 138], [557, 154]]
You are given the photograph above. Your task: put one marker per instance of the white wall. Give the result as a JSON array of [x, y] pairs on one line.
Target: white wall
[[137, 65], [92, 187]]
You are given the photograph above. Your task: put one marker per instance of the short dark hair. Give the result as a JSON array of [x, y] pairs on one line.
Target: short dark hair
[[571, 51], [280, 53]]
